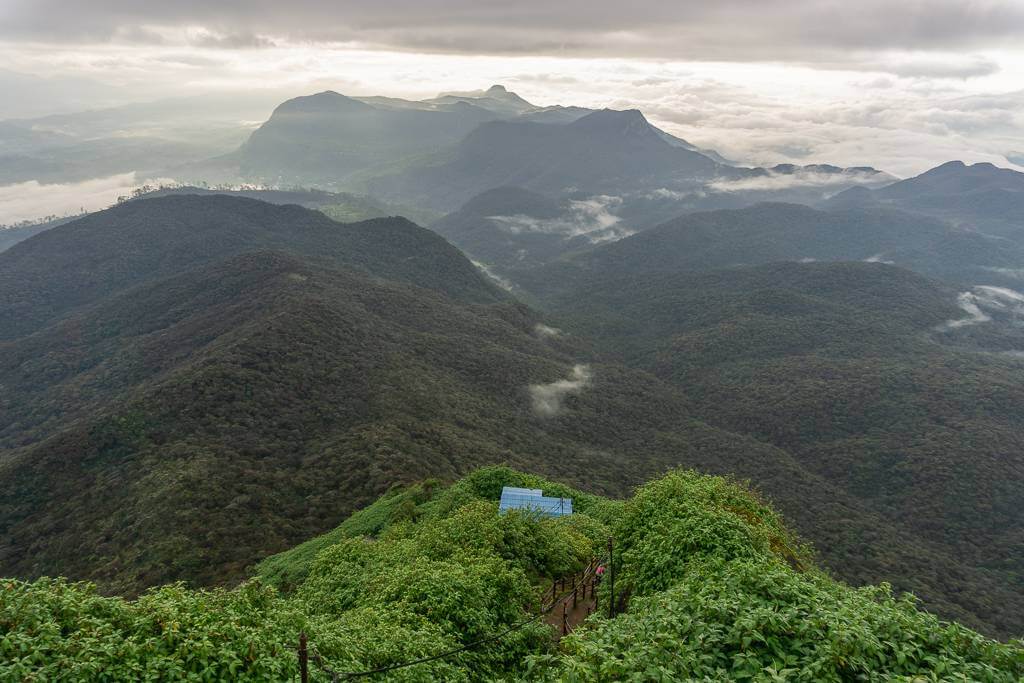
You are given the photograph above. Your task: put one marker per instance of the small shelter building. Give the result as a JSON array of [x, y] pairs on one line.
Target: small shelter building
[[513, 498]]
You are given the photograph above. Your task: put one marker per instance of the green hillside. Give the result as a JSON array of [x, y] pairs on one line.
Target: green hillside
[[714, 588], [772, 232], [839, 366], [83, 262], [182, 427]]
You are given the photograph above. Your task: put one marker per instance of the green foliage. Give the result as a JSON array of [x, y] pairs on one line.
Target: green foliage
[[709, 569], [686, 517], [755, 619], [54, 630], [720, 591], [397, 581]]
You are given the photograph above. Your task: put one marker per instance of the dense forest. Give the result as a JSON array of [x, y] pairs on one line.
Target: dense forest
[[206, 381]]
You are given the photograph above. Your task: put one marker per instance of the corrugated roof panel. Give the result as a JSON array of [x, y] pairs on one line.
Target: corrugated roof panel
[[513, 498]]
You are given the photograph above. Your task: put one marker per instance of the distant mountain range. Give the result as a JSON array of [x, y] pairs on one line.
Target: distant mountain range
[[152, 139], [439, 153], [980, 195], [766, 233]]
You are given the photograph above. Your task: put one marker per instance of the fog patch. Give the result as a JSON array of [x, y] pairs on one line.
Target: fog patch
[[590, 218], [33, 200], [1016, 273], [547, 398], [675, 195], [546, 331], [497, 279], [984, 301]]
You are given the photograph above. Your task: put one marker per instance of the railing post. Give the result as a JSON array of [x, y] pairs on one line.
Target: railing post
[[611, 580], [303, 659], [565, 622]]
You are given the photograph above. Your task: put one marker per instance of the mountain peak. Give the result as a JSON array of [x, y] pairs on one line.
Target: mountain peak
[[497, 90], [955, 165], [615, 121], [322, 102]]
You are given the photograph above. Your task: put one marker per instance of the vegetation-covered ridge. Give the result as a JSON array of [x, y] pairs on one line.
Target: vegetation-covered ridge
[[717, 589]]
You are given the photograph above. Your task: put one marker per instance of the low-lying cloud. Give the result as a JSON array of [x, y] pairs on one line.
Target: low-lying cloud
[[591, 218], [773, 181], [1017, 273], [546, 331], [504, 283], [33, 200], [547, 398], [982, 303]]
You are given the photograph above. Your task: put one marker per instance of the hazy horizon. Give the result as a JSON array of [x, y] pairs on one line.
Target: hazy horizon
[[902, 87]]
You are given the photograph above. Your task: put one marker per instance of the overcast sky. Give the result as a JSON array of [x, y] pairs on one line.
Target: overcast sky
[[900, 85]]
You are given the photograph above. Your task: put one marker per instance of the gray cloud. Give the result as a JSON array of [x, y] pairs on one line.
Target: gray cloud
[[812, 30], [233, 41]]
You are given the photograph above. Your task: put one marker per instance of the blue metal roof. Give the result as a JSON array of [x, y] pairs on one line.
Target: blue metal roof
[[513, 498]]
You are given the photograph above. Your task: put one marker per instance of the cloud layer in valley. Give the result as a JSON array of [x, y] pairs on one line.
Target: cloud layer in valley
[[773, 181], [591, 218], [33, 200], [984, 302], [547, 398]]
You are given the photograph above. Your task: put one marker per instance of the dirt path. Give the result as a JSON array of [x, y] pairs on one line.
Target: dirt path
[[574, 611]]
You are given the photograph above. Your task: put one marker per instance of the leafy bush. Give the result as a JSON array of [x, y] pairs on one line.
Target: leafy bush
[[758, 620], [718, 588]]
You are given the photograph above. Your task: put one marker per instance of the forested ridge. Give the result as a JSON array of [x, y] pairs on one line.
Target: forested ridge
[[206, 381]]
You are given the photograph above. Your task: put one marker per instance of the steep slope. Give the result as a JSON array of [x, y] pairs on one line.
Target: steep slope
[[605, 152], [325, 137], [331, 140], [788, 232], [83, 261], [838, 365]]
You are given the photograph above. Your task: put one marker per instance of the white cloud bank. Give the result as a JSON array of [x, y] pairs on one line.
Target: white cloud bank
[[546, 331], [774, 181], [547, 398], [33, 200], [497, 279], [980, 303]]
